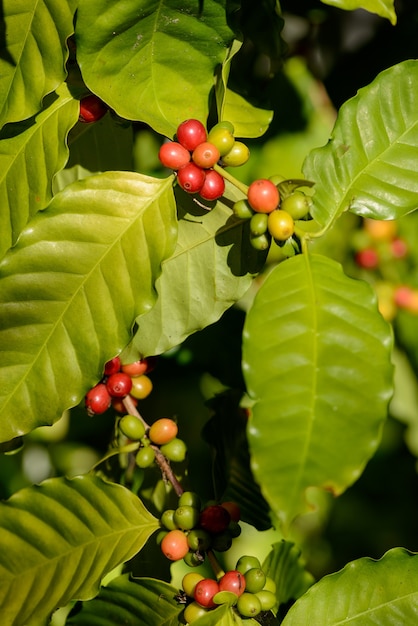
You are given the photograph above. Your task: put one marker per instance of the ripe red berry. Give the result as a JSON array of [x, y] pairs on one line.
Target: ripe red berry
[[263, 196], [233, 581], [213, 187], [137, 368], [117, 404], [204, 592], [233, 510], [191, 133], [112, 366], [191, 178], [206, 155], [173, 155], [214, 518], [97, 399], [399, 248], [174, 545], [367, 258], [92, 109], [119, 385]]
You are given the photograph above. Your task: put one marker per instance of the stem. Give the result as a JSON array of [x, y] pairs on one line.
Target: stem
[[237, 183], [132, 410], [217, 569]]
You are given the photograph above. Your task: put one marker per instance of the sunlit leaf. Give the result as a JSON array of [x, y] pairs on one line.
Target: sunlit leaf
[[384, 8], [319, 405], [284, 565], [55, 540]]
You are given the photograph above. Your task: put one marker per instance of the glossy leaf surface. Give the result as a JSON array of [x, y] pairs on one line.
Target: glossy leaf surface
[[32, 54], [55, 541], [32, 151], [126, 56], [369, 165], [285, 566], [384, 8], [71, 288], [366, 592], [319, 405]]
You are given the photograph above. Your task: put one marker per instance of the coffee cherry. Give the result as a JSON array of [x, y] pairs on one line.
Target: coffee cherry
[[234, 529], [141, 387], [213, 187], [163, 431], [263, 196], [167, 519], [175, 450], [255, 579], [233, 510], [97, 399], [189, 498], [233, 581], [199, 540], [132, 427], [222, 137], [137, 368], [194, 559], [204, 592], [174, 546], [205, 155], [246, 563], [214, 519], [281, 225], [399, 248], [145, 457], [191, 133], [260, 242], [270, 585], [119, 385], [191, 178], [242, 210], [380, 230], [267, 600], [173, 155], [118, 405], [112, 367], [297, 205], [92, 109], [248, 605], [221, 542], [238, 155], [258, 224], [193, 611], [190, 581], [368, 258], [186, 517]]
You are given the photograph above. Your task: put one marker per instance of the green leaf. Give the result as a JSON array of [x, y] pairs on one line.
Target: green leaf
[[211, 268], [71, 287], [126, 56], [369, 165], [366, 592], [33, 54], [283, 564], [384, 8], [130, 602], [309, 341], [59, 538], [31, 152], [248, 120]]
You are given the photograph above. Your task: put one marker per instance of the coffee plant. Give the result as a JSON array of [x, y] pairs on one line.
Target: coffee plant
[[208, 312]]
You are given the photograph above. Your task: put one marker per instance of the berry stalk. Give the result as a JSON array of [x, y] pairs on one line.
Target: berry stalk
[[234, 181]]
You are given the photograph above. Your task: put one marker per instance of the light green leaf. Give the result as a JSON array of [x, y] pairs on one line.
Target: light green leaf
[[212, 267], [365, 593], [31, 153], [369, 165], [126, 56], [71, 288], [284, 565], [309, 341], [33, 54], [248, 120], [59, 538], [130, 602], [384, 8]]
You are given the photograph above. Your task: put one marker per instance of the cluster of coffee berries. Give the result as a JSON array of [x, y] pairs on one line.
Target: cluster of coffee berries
[[92, 109], [162, 435], [189, 531], [246, 588], [120, 380], [378, 242], [195, 153], [271, 215]]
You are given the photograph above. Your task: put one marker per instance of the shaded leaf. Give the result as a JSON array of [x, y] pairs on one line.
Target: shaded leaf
[[212, 267], [33, 54], [369, 165], [71, 288], [130, 602], [31, 153], [384, 8], [319, 405], [58, 539], [126, 56], [284, 566], [365, 592]]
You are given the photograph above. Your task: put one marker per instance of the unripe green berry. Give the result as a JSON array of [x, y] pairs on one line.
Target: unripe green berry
[[246, 563], [267, 599], [145, 457], [255, 579], [175, 450], [199, 540], [167, 519], [258, 224], [190, 498], [248, 605], [186, 517], [132, 427], [242, 210]]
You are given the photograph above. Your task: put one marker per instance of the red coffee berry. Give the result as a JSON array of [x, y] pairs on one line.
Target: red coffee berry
[[213, 187], [137, 368], [367, 258], [205, 591], [214, 518], [173, 155], [174, 545], [233, 581], [119, 385], [97, 399], [191, 133], [233, 510], [206, 155], [112, 366], [263, 196], [92, 109], [191, 178]]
